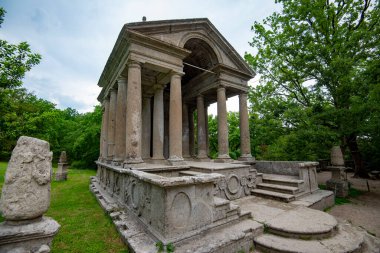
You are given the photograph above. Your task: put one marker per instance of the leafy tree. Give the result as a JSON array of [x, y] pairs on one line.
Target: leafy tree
[[15, 61], [313, 55]]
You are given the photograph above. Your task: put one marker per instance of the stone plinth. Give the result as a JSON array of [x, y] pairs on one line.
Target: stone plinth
[[339, 187], [30, 237], [26, 197], [338, 183], [61, 173]]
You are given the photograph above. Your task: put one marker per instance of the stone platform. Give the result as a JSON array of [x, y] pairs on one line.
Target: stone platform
[[296, 228], [194, 207]]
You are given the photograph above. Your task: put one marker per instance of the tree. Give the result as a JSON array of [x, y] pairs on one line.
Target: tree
[[314, 53], [15, 61]]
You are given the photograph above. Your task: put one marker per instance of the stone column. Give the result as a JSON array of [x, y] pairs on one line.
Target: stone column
[[202, 146], [111, 125], [106, 104], [133, 118], [101, 151], [185, 131], [206, 127], [120, 121], [191, 132], [146, 127], [245, 141], [223, 152], [175, 120], [158, 124]]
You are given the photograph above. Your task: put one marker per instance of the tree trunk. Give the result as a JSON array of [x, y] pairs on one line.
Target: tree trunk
[[352, 144]]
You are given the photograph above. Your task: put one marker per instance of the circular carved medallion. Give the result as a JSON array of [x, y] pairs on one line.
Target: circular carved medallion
[[233, 184]]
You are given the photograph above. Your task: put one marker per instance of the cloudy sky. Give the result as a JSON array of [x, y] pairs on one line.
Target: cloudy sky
[[75, 37]]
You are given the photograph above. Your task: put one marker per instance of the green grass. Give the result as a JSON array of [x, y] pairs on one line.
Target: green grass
[[352, 193], [84, 225]]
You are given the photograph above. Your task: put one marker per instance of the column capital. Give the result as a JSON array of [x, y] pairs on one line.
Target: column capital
[[200, 96], [176, 74], [134, 64], [122, 79], [159, 86], [221, 87]]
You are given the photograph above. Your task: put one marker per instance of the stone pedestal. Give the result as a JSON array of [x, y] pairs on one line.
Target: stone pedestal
[[61, 173], [339, 187], [30, 237], [338, 183]]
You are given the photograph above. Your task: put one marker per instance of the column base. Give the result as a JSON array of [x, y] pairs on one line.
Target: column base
[[175, 160], [158, 160], [223, 159], [133, 163], [118, 163], [202, 158], [246, 158]]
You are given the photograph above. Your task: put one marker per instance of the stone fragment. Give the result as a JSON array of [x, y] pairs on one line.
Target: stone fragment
[[337, 156], [26, 197], [61, 173], [26, 191]]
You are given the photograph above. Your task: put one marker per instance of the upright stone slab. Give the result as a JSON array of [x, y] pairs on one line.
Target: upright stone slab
[[338, 182], [26, 197], [61, 174]]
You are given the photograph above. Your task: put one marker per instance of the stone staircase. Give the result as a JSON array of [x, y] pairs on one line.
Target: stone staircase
[[279, 187], [304, 230]]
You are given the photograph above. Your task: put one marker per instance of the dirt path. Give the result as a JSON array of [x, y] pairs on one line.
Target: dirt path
[[364, 210]]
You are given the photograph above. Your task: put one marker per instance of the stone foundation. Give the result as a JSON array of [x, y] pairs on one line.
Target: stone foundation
[[339, 187], [31, 237]]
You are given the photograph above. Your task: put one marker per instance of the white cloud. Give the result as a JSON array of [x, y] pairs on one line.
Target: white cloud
[[75, 38]]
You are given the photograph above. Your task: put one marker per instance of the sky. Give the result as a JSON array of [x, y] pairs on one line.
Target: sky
[[75, 38]]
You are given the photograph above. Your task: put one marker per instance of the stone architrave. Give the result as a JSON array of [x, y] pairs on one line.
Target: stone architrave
[[61, 173], [26, 197]]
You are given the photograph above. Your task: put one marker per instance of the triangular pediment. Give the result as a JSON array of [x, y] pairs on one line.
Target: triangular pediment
[[178, 32]]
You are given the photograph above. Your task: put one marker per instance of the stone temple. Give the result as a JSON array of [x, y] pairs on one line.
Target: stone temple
[[154, 176]]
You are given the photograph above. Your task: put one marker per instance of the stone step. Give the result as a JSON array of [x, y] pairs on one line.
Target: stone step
[[282, 180], [224, 239], [303, 223], [189, 173], [279, 188], [348, 239], [273, 195]]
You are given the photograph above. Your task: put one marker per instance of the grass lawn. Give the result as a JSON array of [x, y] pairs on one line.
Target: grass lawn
[[84, 225]]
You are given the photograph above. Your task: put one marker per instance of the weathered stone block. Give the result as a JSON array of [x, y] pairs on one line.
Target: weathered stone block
[[26, 191], [339, 187]]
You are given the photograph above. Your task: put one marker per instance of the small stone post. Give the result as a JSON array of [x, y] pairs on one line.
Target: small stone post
[[61, 173], [26, 197], [338, 183]]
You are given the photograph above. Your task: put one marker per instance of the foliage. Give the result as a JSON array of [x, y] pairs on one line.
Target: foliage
[[84, 225], [233, 135], [15, 61], [313, 58]]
